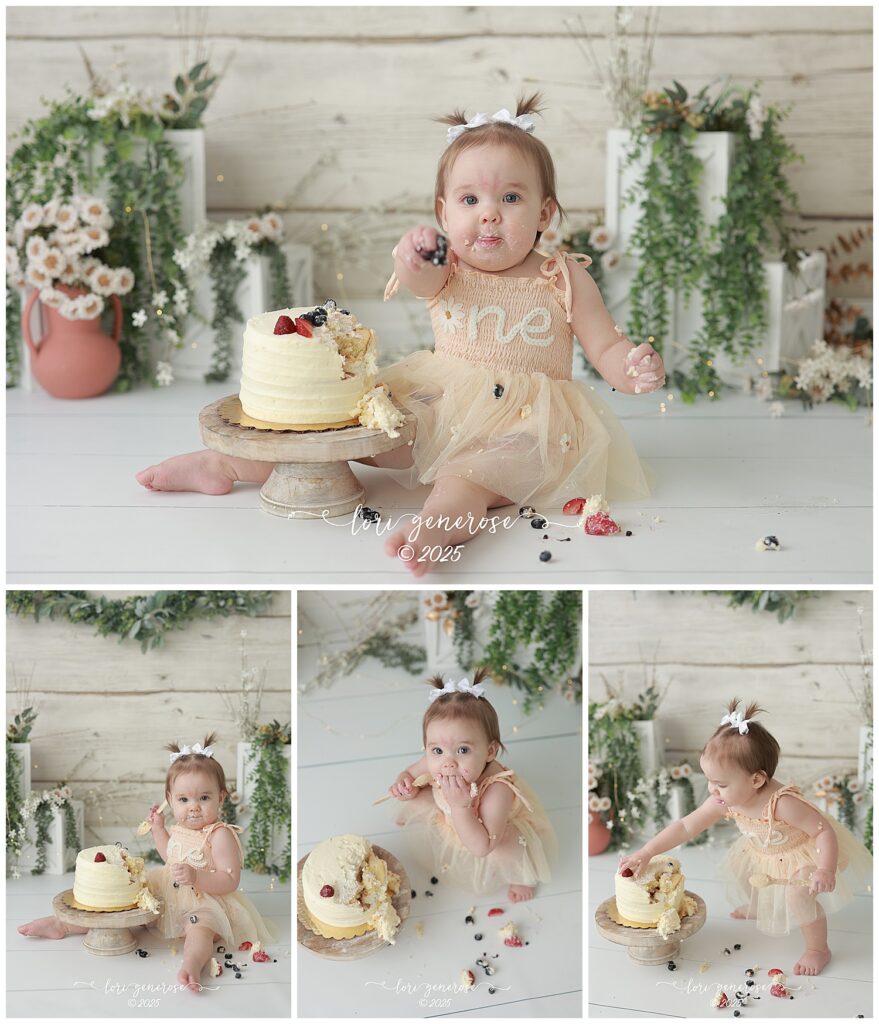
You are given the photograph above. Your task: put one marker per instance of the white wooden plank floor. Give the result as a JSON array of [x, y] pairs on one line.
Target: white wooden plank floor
[[620, 988], [57, 979], [354, 737], [727, 474]]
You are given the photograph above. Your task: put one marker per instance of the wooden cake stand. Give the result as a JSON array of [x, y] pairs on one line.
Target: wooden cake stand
[[361, 945], [311, 473], [646, 945], [109, 932]]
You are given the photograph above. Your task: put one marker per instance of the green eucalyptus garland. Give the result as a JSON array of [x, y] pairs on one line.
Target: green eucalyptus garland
[[783, 603], [15, 832], [144, 618], [675, 250], [269, 802]]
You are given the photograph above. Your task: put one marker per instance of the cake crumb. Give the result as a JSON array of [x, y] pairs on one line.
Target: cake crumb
[[419, 929]]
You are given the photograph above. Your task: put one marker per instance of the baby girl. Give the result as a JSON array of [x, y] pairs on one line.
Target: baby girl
[[485, 827], [784, 840], [198, 883], [499, 419]]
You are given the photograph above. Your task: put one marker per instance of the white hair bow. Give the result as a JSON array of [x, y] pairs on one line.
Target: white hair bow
[[196, 748], [523, 121], [735, 720], [450, 686]]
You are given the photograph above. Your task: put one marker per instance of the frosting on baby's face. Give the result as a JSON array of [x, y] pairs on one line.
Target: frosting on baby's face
[[493, 207], [730, 784], [195, 799], [458, 746]]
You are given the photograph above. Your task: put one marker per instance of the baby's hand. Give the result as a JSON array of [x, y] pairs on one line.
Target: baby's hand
[[822, 880], [404, 788], [455, 789], [413, 247], [183, 874], [644, 365], [156, 819], [634, 862]]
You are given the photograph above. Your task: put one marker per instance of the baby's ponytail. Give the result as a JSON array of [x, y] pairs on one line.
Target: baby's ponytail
[[754, 750]]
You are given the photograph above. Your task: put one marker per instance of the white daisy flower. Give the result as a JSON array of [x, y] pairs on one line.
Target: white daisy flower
[[164, 374], [35, 275], [452, 314], [594, 802], [858, 798], [600, 238], [272, 227], [253, 230], [89, 265], [13, 264], [93, 238], [103, 280], [472, 600], [91, 306], [52, 261], [124, 280], [93, 210], [139, 318], [31, 217], [610, 261], [853, 786], [50, 211], [826, 782], [65, 217], [686, 771], [565, 442], [71, 309], [52, 298], [71, 272], [675, 772], [160, 299], [604, 803]]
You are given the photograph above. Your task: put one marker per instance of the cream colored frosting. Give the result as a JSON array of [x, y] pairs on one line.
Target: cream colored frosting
[[105, 885], [657, 895], [288, 378], [361, 883]]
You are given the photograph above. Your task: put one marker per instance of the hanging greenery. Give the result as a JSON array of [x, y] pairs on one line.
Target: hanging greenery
[[269, 802], [613, 746], [677, 253], [15, 831], [114, 141], [144, 618], [783, 603]]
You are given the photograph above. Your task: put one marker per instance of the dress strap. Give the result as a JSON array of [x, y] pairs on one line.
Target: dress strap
[[560, 263], [234, 829], [506, 777], [784, 791]]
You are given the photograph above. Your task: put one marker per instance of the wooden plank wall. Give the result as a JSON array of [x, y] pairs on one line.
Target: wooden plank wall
[[105, 710], [703, 653], [326, 112]]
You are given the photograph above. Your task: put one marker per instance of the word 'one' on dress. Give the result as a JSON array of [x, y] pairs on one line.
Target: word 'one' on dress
[[495, 403], [232, 916], [769, 846]]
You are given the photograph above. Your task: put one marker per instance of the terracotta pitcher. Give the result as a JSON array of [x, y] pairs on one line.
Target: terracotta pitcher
[[599, 834], [74, 359]]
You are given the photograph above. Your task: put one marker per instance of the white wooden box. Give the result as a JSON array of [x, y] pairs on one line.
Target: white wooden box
[[651, 744], [253, 296], [715, 150], [58, 859], [245, 784]]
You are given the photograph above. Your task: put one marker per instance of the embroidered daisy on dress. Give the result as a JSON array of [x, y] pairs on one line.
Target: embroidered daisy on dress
[[565, 442], [452, 313]]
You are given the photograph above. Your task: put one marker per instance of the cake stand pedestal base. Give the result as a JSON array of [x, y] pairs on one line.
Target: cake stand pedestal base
[[311, 478], [645, 945], [109, 933]]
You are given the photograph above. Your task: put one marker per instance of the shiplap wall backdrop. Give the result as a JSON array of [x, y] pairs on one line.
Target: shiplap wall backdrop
[[97, 697], [358, 86], [706, 653]]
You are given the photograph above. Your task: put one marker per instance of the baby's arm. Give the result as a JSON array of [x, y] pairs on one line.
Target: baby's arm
[[160, 833], [674, 834], [227, 867], [813, 823], [610, 352], [480, 837], [402, 787], [419, 275]]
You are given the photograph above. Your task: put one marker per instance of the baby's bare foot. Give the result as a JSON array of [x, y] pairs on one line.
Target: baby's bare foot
[[207, 472], [47, 928], [813, 961], [740, 913], [518, 893], [399, 546], [189, 977]]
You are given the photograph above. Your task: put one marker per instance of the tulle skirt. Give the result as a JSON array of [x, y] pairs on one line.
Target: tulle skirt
[[233, 917], [780, 908], [542, 440], [523, 857]]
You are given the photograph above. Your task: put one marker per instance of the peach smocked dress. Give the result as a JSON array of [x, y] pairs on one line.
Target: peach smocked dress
[[232, 916], [769, 846], [521, 857], [495, 403]]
